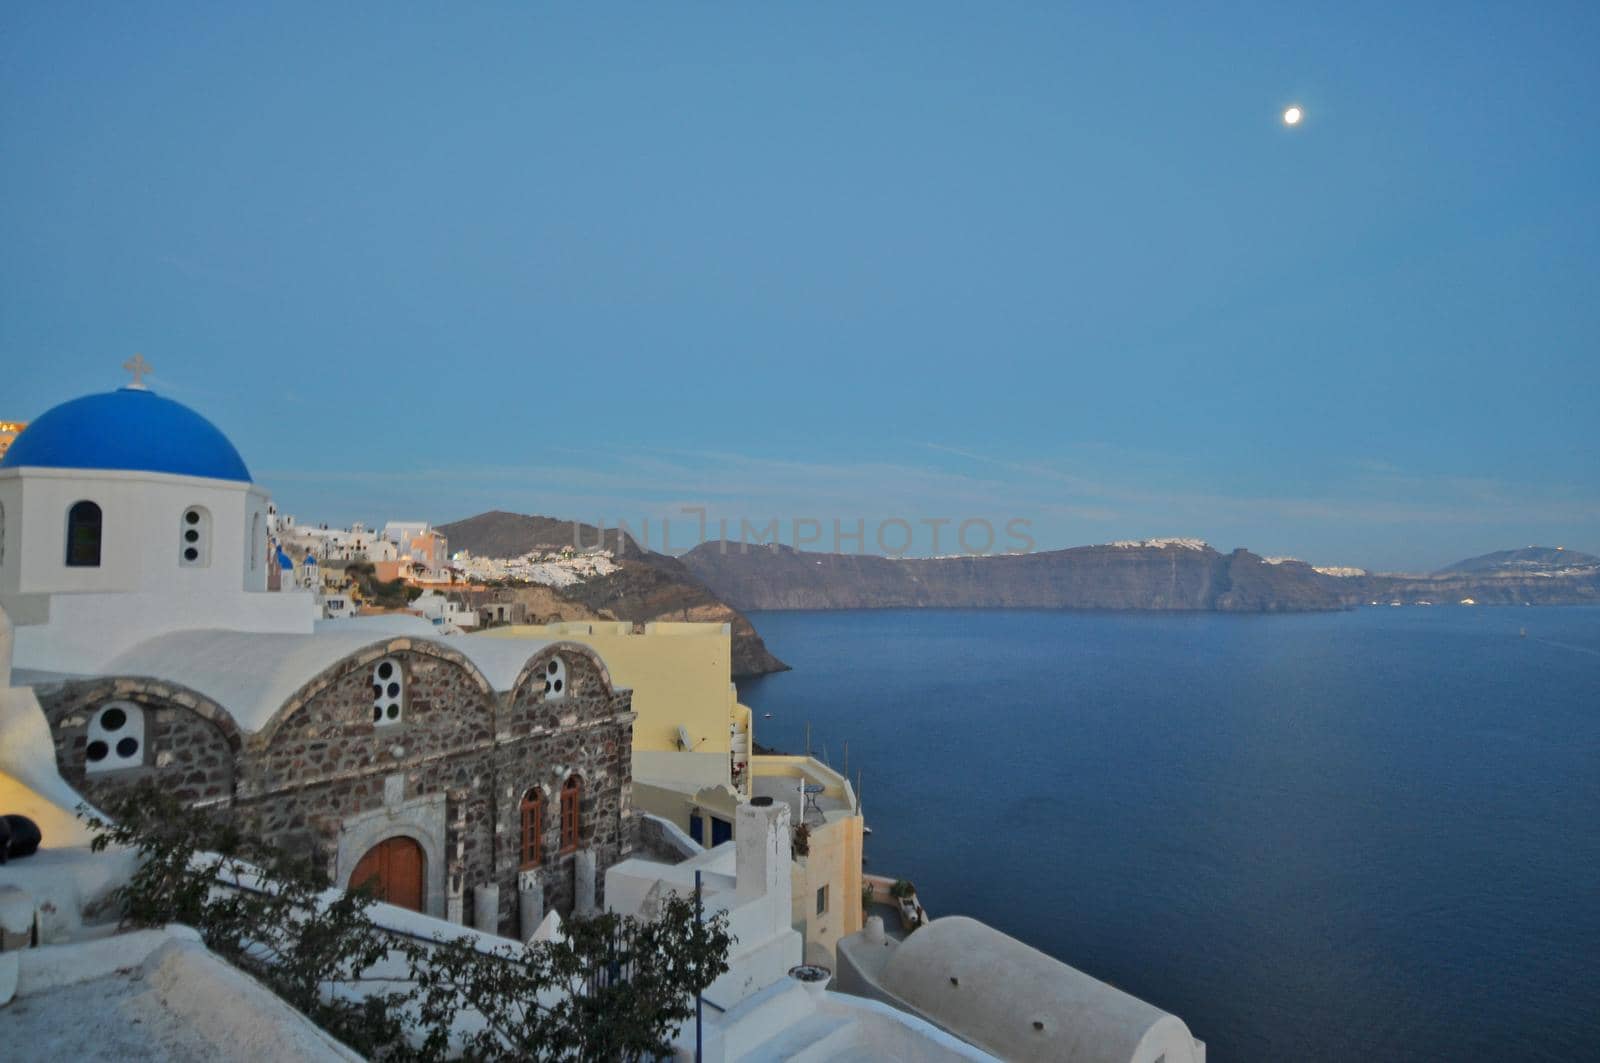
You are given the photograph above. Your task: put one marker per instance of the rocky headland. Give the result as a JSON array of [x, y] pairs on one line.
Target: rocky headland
[[645, 585]]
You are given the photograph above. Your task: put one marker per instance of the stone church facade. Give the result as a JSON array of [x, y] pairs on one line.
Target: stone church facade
[[482, 805]]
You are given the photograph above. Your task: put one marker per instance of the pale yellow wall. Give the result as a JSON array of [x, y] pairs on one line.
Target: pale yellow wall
[[834, 860], [680, 674]]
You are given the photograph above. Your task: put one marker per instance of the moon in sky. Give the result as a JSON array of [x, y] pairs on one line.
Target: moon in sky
[[1292, 116]]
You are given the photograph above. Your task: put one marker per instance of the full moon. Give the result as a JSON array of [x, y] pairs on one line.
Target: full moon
[[1292, 116]]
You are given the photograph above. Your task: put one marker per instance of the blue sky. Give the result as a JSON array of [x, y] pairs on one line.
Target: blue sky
[[1061, 263]]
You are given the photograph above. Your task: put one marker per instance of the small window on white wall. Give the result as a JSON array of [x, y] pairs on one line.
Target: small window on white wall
[[388, 692], [115, 738], [555, 678], [194, 538]]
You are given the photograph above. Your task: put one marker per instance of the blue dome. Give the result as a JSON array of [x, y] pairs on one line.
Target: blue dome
[[129, 428]]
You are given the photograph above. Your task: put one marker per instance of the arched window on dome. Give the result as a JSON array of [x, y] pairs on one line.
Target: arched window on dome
[[194, 537], [83, 535]]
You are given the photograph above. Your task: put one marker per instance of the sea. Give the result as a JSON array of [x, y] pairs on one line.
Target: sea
[[1368, 835]]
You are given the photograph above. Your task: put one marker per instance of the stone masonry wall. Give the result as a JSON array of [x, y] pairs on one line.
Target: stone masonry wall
[[546, 738], [323, 760], [328, 733], [189, 741]]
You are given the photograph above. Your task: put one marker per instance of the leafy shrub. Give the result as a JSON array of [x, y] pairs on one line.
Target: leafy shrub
[[615, 988]]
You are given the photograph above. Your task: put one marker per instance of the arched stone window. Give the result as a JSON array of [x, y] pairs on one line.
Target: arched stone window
[[571, 801], [388, 692], [194, 537], [83, 535], [532, 826], [555, 678], [115, 738]]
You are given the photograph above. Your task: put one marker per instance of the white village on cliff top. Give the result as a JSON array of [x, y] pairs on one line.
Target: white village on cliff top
[[162, 621]]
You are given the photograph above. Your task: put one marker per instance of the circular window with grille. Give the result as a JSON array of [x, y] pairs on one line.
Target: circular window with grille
[[555, 678], [388, 692], [115, 739]]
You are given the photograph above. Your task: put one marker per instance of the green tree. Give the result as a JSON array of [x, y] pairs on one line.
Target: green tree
[[615, 987]]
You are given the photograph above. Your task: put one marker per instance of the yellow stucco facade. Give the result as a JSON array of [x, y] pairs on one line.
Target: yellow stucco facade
[[681, 678]]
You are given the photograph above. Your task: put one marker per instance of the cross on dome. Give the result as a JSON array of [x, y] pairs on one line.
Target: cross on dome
[[138, 367]]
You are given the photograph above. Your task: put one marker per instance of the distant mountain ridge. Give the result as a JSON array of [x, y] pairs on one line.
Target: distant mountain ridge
[[1534, 575], [499, 533], [1529, 561], [1158, 575], [1169, 575], [646, 586], [716, 580]]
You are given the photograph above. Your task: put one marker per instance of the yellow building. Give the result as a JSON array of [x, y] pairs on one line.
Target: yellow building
[[691, 731], [826, 874], [692, 764]]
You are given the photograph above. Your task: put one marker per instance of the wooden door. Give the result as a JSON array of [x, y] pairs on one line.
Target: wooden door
[[392, 871]]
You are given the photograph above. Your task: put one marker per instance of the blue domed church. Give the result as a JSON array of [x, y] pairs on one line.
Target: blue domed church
[[448, 774], [124, 515]]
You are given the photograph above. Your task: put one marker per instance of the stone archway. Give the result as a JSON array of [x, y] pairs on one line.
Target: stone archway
[[394, 871], [420, 819]]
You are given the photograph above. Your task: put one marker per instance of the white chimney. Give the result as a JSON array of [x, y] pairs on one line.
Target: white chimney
[[762, 839]]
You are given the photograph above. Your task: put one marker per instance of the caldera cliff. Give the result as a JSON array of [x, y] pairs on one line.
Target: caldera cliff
[[1164, 576]]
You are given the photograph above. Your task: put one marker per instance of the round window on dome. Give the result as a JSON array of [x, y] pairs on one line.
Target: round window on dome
[[194, 538], [115, 738]]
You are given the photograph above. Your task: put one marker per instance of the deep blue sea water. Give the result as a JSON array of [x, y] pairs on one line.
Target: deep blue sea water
[[1357, 836]]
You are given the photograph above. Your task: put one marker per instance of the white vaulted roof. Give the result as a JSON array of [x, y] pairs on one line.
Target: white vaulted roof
[[500, 660], [251, 675], [1013, 1000]]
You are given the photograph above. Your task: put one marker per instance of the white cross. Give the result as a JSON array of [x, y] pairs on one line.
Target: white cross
[[138, 367]]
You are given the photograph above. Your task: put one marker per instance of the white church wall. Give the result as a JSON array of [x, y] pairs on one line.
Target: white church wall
[[10, 533], [141, 531], [86, 631]]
